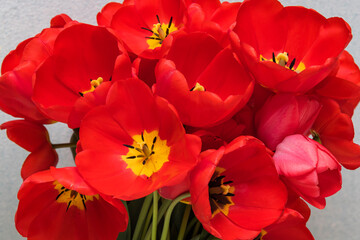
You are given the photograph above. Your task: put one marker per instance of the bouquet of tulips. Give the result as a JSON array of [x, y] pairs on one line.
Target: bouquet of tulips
[[191, 119]]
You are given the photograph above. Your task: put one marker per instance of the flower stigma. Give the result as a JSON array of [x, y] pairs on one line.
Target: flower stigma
[[220, 193], [72, 197], [147, 154], [93, 85], [283, 59], [159, 32]]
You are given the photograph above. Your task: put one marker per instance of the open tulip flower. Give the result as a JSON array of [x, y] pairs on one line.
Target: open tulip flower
[[228, 188], [190, 119], [18, 67], [288, 49], [58, 204], [137, 139]]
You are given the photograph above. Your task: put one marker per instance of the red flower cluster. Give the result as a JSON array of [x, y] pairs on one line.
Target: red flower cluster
[[247, 106]]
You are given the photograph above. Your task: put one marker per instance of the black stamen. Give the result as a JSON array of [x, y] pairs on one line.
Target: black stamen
[[81, 94], [129, 146], [228, 182], [143, 162], [62, 187], [168, 28], [83, 203], [230, 194], [68, 205], [154, 38], [273, 57], [59, 195], [154, 140], [140, 156], [157, 16], [147, 29], [131, 157], [142, 134], [292, 64], [139, 150]]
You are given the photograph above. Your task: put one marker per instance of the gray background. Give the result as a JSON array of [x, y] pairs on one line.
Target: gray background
[[23, 19]]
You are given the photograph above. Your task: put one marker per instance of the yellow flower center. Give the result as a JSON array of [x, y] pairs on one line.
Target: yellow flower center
[[93, 85], [147, 154], [159, 32], [283, 59], [198, 87], [220, 193], [72, 198]]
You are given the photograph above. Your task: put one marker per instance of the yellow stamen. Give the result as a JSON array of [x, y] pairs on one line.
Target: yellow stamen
[[198, 87], [93, 85], [283, 60], [72, 197], [160, 32], [147, 154]]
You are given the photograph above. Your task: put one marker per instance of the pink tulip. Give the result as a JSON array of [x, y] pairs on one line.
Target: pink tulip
[[308, 168]]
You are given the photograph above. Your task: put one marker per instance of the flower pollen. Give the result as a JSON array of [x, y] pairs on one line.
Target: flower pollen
[[93, 85], [159, 32], [220, 193], [147, 154], [72, 197], [283, 59]]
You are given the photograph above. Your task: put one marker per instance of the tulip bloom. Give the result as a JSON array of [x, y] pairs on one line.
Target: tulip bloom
[[34, 138], [335, 131], [288, 49], [18, 67], [135, 144], [204, 82], [58, 204], [343, 85], [146, 27], [283, 115], [308, 168], [213, 17], [85, 58], [236, 191]]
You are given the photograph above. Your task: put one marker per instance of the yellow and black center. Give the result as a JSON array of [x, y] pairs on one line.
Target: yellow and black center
[[283, 60], [147, 154], [72, 197], [159, 32], [93, 85], [261, 235], [220, 193]]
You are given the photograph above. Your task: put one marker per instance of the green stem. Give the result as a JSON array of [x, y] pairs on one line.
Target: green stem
[[63, 145], [190, 225], [196, 229], [147, 222], [164, 206], [184, 222], [155, 215], [142, 215], [168, 214]]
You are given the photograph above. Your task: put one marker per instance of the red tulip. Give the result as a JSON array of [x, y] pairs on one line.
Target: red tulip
[[343, 85], [283, 115], [135, 144], [335, 130], [146, 26], [34, 138], [18, 67], [58, 204], [308, 168], [236, 191], [288, 49], [84, 57], [204, 82]]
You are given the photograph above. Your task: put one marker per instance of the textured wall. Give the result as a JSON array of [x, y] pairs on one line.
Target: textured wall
[[22, 19]]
